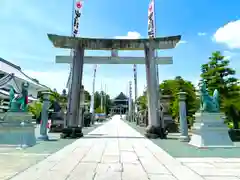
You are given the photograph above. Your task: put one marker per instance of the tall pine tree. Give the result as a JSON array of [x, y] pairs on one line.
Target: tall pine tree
[[218, 75]]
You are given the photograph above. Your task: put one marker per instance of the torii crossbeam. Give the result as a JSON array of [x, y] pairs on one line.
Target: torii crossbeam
[[113, 60]]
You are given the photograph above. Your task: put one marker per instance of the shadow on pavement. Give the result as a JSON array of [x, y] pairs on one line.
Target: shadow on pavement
[[116, 137], [53, 139]]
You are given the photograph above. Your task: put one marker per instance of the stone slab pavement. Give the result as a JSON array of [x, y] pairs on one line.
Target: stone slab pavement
[[214, 168], [115, 151], [13, 160]]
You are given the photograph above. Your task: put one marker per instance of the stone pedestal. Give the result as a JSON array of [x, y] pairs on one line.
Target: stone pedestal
[[154, 132], [169, 124], [17, 129], [209, 130], [72, 132]]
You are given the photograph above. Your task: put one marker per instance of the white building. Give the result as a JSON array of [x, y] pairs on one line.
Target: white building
[[10, 74]]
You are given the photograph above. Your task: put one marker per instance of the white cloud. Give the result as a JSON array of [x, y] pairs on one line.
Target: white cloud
[[228, 54], [136, 35], [229, 34], [130, 35], [181, 42], [55, 79], [202, 34]]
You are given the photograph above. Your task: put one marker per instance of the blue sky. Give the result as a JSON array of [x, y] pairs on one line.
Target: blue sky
[[205, 26]]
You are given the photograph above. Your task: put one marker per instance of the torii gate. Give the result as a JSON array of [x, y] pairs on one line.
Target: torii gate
[[74, 128]]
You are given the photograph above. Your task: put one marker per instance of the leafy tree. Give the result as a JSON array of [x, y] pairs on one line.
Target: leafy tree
[[87, 96], [64, 92], [99, 110], [107, 103], [97, 100], [142, 101], [173, 87], [218, 75], [55, 96], [35, 108]]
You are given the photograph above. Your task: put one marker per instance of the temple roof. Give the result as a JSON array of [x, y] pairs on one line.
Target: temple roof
[[120, 105], [7, 67], [121, 96], [70, 42]]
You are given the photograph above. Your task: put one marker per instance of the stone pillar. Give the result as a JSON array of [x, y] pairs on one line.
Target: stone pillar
[[81, 108], [183, 117], [44, 116], [73, 129], [154, 127], [162, 127]]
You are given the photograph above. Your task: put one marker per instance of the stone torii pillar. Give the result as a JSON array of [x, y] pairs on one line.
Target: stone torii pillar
[[154, 128], [74, 124]]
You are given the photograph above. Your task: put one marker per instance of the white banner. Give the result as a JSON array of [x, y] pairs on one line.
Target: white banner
[[151, 23], [79, 4], [77, 15]]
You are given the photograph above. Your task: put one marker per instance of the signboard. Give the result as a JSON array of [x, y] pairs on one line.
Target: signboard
[[100, 116]]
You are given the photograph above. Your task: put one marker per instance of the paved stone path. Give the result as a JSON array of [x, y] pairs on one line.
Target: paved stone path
[[214, 168], [115, 151]]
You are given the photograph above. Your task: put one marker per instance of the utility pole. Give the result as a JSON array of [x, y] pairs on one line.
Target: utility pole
[[130, 101], [105, 99], [135, 89], [101, 98]]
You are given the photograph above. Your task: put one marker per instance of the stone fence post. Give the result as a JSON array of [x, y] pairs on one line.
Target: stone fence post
[[81, 122], [44, 116], [183, 117]]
